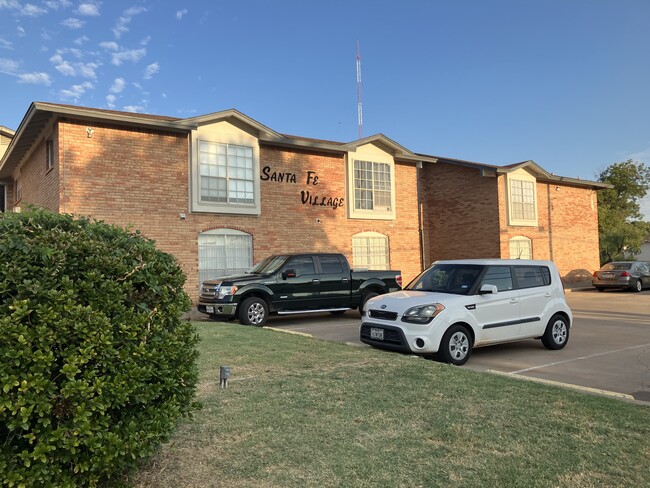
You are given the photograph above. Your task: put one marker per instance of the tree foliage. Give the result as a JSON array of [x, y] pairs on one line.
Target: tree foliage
[[96, 365], [620, 227]]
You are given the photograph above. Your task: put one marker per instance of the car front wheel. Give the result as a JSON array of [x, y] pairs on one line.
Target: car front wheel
[[557, 333], [253, 311], [456, 346]]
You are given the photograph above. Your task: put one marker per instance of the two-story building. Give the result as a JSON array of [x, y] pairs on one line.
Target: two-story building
[[222, 191]]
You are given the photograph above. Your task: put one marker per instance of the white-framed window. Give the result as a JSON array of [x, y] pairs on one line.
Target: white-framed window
[[226, 173], [372, 186], [49, 154], [224, 252], [224, 170], [19, 191], [522, 199], [370, 250], [521, 248]]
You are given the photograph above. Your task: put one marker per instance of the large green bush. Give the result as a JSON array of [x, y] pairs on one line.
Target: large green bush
[[96, 365]]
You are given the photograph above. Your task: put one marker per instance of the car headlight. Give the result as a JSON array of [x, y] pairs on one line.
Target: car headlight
[[423, 314], [225, 291]]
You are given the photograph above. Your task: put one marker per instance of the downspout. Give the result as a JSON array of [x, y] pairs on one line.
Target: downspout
[[418, 167], [62, 139]]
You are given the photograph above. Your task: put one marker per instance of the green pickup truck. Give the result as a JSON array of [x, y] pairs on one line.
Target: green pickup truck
[[294, 283]]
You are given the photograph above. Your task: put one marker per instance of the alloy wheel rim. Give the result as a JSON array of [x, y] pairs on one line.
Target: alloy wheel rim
[[559, 332], [256, 313]]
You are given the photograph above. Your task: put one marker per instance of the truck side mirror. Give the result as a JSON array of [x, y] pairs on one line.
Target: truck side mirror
[[288, 273]]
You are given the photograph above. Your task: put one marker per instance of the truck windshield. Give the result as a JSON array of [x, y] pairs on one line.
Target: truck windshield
[[268, 266], [458, 279]]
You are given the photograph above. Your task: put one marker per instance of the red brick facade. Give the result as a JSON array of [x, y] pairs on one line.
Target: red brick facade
[[139, 176]]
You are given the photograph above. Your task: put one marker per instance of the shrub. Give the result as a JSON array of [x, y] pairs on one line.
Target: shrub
[[96, 365]]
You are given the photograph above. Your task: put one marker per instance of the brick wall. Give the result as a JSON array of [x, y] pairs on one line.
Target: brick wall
[[40, 186], [459, 212], [140, 177]]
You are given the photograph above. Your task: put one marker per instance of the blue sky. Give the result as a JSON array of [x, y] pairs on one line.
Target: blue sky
[[565, 83]]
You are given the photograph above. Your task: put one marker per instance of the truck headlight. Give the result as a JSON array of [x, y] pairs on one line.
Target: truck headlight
[[225, 291], [423, 314]]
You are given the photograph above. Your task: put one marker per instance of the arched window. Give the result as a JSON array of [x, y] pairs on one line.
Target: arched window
[[521, 248], [223, 252], [370, 250]]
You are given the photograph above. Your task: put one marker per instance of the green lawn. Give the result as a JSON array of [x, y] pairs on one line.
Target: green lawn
[[302, 412]]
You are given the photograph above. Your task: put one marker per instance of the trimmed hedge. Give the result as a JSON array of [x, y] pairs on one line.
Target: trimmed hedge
[[96, 365]]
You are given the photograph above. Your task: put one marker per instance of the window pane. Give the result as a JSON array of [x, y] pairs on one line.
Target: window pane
[[522, 199], [226, 173], [370, 252], [499, 276], [224, 253], [330, 264], [529, 276], [521, 248]]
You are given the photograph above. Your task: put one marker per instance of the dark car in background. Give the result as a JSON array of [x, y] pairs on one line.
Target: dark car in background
[[633, 275]]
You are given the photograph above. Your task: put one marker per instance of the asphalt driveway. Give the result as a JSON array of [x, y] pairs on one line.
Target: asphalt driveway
[[608, 351]]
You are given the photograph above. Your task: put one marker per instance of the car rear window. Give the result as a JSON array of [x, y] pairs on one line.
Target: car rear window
[[531, 276], [617, 266]]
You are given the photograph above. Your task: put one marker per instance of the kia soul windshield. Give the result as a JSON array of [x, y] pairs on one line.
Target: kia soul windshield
[[458, 279]]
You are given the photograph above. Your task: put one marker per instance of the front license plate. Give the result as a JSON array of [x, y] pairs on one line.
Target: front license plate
[[377, 334], [209, 309]]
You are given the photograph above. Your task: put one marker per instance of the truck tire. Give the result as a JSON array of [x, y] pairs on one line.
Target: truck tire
[[253, 311], [366, 296]]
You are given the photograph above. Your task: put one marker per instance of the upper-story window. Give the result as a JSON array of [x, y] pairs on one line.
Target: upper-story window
[[226, 173], [49, 154], [372, 186], [371, 183], [522, 199], [225, 163]]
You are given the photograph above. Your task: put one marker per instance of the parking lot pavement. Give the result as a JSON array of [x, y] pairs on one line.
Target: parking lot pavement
[[608, 350]]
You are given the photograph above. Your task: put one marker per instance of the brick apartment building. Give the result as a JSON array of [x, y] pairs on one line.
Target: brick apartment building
[[222, 191]]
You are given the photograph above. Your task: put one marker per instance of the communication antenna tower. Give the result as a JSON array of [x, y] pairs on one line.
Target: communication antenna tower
[[359, 105]]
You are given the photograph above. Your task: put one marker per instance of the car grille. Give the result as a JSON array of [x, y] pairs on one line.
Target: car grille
[[382, 314], [393, 338]]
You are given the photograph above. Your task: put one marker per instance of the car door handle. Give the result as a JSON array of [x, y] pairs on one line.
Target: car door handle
[[315, 281], [514, 300], [547, 295]]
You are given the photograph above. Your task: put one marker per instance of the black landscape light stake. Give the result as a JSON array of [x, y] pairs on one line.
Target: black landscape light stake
[[224, 374]]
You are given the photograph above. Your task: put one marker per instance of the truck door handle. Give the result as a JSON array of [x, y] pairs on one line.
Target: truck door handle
[[315, 281], [345, 280]]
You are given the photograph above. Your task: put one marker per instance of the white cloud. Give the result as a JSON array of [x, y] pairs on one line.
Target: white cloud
[[118, 85], [181, 13], [134, 108], [133, 55], [110, 45], [65, 68], [86, 70], [39, 78], [642, 156], [88, 9], [145, 41], [30, 10], [76, 91], [9, 4], [164, 95], [73, 23], [21, 31], [4, 44], [110, 101], [8, 66], [80, 40], [151, 70], [55, 4], [121, 26]]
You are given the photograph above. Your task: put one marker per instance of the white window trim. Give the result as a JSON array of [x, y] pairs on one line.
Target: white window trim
[[242, 139], [49, 154], [367, 235], [521, 175], [520, 239], [376, 156]]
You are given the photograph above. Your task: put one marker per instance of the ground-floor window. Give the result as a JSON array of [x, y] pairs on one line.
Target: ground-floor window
[[223, 252], [521, 248], [370, 250]]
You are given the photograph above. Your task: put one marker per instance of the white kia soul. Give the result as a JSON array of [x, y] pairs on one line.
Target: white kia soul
[[454, 306]]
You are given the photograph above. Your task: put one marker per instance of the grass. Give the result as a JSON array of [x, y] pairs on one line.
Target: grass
[[301, 412]]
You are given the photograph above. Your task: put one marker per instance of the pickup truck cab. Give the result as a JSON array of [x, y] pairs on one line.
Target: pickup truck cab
[[294, 283]]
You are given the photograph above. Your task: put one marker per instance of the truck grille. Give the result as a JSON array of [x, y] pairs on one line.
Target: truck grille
[[382, 314], [209, 291]]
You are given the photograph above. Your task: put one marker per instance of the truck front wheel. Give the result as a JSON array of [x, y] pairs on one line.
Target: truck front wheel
[[253, 311]]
